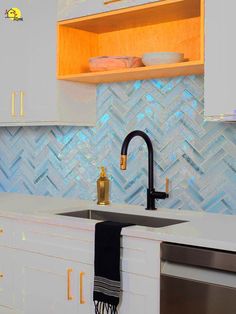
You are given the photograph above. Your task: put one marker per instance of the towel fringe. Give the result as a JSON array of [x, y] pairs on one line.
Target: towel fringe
[[104, 308]]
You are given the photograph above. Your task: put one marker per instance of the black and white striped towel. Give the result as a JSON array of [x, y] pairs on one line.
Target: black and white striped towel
[[107, 286]]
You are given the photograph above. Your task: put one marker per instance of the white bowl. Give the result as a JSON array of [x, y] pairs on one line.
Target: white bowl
[[155, 58]]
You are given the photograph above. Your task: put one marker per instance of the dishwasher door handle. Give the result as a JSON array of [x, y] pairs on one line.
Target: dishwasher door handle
[[199, 274], [196, 256]]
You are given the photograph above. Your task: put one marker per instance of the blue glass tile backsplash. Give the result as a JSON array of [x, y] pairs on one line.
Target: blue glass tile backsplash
[[199, 157]]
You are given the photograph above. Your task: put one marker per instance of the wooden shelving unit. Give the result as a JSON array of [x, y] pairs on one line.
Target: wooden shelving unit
[[168, 25]]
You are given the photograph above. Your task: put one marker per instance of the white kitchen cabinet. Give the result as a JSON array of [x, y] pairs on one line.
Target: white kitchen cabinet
[[13, 59], [220, 62], [52, 285], [49, 270], [51, 294], [68, 9], [29, 91]]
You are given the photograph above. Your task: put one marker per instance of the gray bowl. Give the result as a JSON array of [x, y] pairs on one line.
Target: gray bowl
[[155, 58]]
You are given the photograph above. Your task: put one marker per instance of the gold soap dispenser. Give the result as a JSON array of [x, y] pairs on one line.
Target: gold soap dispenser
[[103, 188]]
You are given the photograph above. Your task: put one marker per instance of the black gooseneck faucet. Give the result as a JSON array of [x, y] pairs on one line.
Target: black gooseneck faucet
[[152, 195]]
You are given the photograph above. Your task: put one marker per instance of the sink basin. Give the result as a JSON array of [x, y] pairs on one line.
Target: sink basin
[[124, 218]]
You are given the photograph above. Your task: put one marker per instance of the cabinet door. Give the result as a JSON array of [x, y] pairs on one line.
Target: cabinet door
[[139, 294], [50, 285], [7, 271], [40, 93], [29, 91], [220, 62], [28, 62], [13, 57], [45, 285], [76, 8]]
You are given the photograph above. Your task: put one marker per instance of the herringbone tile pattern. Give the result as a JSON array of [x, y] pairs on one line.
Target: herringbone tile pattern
[[198, 157]]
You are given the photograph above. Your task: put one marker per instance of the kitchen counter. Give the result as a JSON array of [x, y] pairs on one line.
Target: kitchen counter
[[201, 229]]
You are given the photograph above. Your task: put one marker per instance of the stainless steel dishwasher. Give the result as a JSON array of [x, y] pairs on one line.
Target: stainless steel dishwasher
[[196, 280]]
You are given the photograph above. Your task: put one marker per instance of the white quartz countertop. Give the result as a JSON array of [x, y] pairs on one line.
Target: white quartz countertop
[[201, 229]]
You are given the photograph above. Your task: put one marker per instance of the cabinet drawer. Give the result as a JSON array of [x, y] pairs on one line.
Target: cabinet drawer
[[66, 243], [77, 8], [6, 232], [140, 256], [137, 255]]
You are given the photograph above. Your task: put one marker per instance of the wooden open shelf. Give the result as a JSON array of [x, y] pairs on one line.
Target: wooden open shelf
[[168, 70], [168, 25]]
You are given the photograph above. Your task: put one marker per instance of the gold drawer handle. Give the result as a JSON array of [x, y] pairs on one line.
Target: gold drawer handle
[[111, 1], [1, 231], [1, 275], [69, 295], [81, 279], [13, 100], [22, 95]]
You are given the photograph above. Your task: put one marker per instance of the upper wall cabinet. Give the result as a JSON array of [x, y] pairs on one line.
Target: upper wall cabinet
[[76, 8], [170, 25], [29, 91], [15, 59], [220, 61]]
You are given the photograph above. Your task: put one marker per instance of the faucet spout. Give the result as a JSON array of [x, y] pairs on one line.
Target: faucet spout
[[151, 193], [124, 151]]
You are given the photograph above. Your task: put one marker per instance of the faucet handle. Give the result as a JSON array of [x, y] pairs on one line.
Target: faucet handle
[[167, 185]]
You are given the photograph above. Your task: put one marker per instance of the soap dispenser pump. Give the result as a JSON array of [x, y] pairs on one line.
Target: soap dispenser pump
[[103, 188]]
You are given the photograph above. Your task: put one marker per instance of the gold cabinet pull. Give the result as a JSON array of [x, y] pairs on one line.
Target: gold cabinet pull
[[69, 295], [13, 100], [22, 95], [1, 275], [111, 1], [1, 231], [81, 279]]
